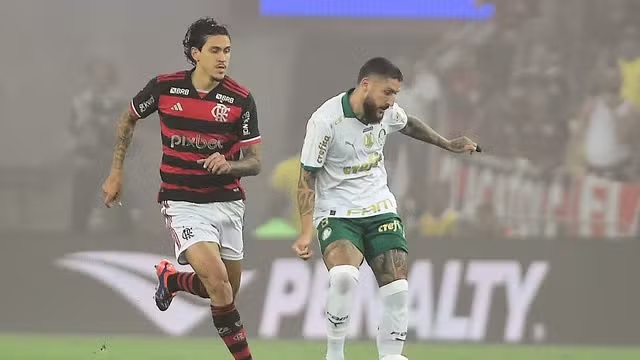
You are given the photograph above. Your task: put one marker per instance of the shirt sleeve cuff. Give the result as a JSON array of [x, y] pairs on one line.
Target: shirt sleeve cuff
[[311, 168]]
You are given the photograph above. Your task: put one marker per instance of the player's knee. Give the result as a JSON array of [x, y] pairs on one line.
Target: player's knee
[[217, 285], [343, 278], [220, 292], [342, 252], [388, 279]]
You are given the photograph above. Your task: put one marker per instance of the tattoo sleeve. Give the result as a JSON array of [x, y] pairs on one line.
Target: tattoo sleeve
[[306, 198], [417, 129], [251, 162], [124, 131], [390, 266]]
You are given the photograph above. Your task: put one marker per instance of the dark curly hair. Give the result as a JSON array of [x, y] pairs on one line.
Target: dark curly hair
[[382, 67], [198, 33]]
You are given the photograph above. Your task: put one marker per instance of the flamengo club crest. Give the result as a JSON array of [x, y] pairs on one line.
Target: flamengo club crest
[[220, 112]]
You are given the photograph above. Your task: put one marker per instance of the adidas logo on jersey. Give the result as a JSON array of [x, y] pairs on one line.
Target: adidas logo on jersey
[[177, 107]]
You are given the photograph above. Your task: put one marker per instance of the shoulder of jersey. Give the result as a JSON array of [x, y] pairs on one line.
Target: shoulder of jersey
[[331, 110], [176, 76], [231, 85]]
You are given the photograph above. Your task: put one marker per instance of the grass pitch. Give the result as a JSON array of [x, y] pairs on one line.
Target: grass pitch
[[29, 347]]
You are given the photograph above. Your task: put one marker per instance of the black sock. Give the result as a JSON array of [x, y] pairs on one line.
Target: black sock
[[189, 282], [227, 321]]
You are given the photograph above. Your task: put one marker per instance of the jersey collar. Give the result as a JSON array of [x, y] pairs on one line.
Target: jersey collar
[[347, 110]]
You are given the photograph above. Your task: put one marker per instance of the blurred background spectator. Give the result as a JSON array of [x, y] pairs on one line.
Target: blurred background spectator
[[551, 89], [93, 112]]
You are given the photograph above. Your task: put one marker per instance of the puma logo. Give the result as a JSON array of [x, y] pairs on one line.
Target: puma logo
[[350, 144]]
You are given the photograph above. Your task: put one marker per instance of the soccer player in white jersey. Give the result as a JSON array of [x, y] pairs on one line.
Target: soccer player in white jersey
[[343, 195]]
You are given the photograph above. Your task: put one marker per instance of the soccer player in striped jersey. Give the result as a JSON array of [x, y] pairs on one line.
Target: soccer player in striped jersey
[[210, 139]]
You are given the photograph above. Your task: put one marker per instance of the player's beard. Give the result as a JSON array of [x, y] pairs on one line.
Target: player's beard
[[371, 111], [217, 77]]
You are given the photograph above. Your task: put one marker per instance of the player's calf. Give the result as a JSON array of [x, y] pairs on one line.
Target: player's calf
[[390, 270], [392, 331], [188, 282], [226, 318], [343, 281], [205, 260]]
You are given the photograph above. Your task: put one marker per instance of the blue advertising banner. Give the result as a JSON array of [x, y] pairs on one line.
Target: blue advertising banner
[[369, 9]]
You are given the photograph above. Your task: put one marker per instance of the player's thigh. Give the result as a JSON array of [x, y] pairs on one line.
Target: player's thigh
[[228, 218], [386, 248], [188, 225], [341, 242]]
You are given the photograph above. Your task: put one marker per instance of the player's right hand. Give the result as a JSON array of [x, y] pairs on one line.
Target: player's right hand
[[302, 246], [111, 189], [462, 144]]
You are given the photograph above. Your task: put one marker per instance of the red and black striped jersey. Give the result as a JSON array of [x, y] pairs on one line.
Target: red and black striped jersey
[[195, 125]]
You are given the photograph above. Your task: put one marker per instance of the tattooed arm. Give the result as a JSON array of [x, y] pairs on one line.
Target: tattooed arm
[[417, 129], [112, 186], [315, 150], [251, 162], [306, 199], [124, 131], [306, 203]]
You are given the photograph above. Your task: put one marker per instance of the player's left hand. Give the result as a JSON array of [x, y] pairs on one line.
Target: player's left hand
[[216, 164], [462, 144]]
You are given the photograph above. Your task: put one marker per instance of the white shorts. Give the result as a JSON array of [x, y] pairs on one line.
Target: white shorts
[[219, 222]]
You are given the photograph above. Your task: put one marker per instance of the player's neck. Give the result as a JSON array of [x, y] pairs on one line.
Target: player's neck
[[202, 81], [356, 100]]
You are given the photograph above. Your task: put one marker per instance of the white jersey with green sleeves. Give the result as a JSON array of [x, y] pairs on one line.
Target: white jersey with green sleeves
[[347, 155]]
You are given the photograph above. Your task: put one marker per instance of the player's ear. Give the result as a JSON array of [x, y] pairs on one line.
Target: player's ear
[[195, 53], [365, 83]]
